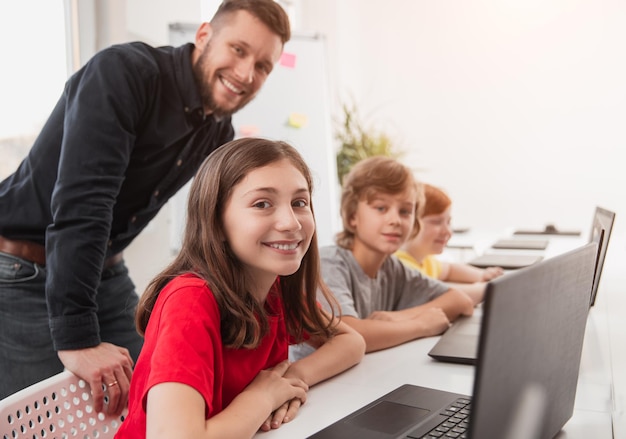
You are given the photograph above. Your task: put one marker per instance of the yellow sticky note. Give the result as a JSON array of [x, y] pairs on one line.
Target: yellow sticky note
[[297, 120]]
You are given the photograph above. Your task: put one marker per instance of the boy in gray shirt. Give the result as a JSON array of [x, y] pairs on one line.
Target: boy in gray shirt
[[386, 302]]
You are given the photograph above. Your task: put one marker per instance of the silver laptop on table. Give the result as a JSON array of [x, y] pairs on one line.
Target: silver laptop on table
[[531, 339]]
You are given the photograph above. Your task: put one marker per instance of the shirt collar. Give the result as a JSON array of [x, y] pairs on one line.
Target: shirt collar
[[185, 80]]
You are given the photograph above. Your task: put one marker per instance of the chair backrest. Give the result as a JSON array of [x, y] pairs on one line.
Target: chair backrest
[[58, 407]]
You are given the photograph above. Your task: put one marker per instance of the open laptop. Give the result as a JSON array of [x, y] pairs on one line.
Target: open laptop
[[603, 220], [531, 339]]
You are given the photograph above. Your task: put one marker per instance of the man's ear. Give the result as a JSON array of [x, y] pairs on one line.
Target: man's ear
[[203, 34]]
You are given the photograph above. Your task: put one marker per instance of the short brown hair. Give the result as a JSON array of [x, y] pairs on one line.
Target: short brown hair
[[378, 174], [268, 11]]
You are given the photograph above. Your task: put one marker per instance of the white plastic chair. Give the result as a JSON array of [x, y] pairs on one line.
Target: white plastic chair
[[58, 407]]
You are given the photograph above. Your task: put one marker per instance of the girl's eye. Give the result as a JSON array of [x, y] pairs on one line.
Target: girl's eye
[[262, 204], [405, 212], [300, 203], [380, 208]]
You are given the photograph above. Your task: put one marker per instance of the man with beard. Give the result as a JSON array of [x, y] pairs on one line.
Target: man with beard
[[130, 129]]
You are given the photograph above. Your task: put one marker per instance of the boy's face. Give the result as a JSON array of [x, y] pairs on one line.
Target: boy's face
[[383, 223]]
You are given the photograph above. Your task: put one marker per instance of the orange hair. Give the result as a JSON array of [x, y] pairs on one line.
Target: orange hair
[[437, 201]]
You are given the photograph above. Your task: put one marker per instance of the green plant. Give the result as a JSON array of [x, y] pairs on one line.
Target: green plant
[[359, 141]]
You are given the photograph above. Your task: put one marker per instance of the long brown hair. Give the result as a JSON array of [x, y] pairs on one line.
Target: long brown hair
[[378, 174], [206, 253]]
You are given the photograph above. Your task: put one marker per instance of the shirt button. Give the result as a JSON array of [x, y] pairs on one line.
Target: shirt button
[[110, 243], [186, 109], [133, 219], [156, 193], [179, 162]]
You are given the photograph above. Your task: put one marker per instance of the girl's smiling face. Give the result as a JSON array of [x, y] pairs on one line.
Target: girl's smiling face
[[269, 223], [434, 233]]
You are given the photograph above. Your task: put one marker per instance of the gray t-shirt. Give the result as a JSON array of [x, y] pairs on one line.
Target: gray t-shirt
[[395, 287]]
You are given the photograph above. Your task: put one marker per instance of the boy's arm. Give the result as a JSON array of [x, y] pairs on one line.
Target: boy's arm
[[475, 291], [453, 302], [382, 334]]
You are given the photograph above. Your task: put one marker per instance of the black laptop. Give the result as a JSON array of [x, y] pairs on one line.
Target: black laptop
[[531, 339]]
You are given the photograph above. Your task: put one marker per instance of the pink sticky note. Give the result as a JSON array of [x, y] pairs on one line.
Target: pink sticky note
[[288, 60], [248, 130]]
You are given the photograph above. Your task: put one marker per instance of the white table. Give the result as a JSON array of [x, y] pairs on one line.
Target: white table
[[601, 394]]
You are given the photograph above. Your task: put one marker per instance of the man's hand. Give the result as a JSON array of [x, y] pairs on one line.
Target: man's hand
[[104, 366]]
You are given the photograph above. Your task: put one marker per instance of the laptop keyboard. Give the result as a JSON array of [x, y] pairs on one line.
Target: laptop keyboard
[[454, 426]]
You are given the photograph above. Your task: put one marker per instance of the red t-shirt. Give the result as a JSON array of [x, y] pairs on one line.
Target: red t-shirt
[[183, 344]]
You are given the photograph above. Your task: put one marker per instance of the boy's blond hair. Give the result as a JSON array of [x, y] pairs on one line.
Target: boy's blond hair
[[378, 174]]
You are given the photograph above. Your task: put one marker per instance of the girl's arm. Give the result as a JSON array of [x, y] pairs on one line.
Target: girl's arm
[[178, 410], [336, 355]]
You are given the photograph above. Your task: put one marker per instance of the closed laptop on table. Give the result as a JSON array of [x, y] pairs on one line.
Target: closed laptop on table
[[521, 244], [506, 261]]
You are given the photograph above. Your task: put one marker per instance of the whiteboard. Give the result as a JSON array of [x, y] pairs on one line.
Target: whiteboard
[[293, 106]]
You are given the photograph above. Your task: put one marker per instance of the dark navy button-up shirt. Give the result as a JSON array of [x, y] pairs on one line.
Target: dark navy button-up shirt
[[128, 132]]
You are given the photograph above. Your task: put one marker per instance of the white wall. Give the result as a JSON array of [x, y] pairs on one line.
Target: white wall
[[517, 108]]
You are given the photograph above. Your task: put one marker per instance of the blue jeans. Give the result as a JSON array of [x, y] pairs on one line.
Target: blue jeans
[[26, 352]]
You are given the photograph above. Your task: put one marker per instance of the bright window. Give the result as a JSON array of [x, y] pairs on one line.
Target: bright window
[[33, 72]]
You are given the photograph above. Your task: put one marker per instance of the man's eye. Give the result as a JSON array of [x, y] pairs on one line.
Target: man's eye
[[264, 69]]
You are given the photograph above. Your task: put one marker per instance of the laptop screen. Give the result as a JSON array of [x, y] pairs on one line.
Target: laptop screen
[[531, 338], [603, 219]]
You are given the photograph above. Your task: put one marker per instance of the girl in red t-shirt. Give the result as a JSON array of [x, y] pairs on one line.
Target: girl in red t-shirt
[[219, 319]]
